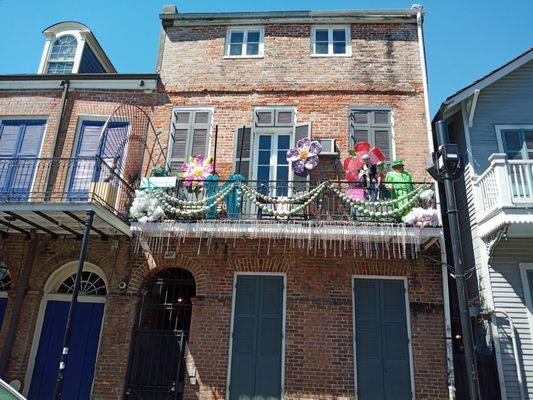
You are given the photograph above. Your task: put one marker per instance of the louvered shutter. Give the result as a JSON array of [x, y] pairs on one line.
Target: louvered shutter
[[382, 341], [199, 143], [244, 167], [301, 183], [368, 339], [30, 145], [88, 147], [269, 338], [359, 135], [264, 118], [395, 345], [244, 344], [284, 118], [382, 140], [32, 139], [9, 136], [257, 338]]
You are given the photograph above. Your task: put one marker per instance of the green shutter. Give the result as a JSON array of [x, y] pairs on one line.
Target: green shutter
[[381, 340], [246, 142], [257, 338]]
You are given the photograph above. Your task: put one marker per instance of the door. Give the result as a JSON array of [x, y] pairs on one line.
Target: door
[[81, 360], [86, 167], [272, 167], [257, 338], [156, 368], [20, 144], [383, 368]]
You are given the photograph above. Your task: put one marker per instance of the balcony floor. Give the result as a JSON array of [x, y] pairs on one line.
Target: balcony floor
[[58, 219]]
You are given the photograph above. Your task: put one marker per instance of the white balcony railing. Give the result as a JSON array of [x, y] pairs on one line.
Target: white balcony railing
[[505, 184]]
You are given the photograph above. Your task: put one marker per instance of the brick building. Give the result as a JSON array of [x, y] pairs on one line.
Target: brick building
[[281, 285]]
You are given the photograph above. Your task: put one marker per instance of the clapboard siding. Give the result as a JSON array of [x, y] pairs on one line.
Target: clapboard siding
[[507, 101], [508, 296]]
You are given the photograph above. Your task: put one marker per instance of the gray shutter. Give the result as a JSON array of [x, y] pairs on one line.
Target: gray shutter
[[396, 364], [257, 338], [284, 118], [382, 139], [367, 340], [244, 345], [269, 339], [301, 183], [382, 346], [246, 151], [199, 142], [264, 118]]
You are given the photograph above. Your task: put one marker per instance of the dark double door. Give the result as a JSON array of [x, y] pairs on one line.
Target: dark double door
[[157, 360]]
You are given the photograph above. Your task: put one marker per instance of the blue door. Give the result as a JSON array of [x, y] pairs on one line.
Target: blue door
[[381, 340], [20, 143], [85, 168], [3, 305], [82, 353]]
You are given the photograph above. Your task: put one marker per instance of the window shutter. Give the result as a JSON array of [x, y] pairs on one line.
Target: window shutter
[[199, 143], [9, 136], [382, 140], [264, 118], [284, 118], [359, 135], [179, 143], [89, 139], [31, 141], [301, 183], [246, 151], [512, 144]]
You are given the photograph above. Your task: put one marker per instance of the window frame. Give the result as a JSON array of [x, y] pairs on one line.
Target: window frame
[[500, 129], [331, 28], [190, 129], [245, 30], [75, 57], [373, 127], [524, 267]]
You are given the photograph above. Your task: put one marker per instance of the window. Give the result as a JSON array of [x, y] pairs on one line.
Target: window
[[373, 126], [61, 58], [331, 41], [517, 141], [190, 133], [245, 42], [274, 116]]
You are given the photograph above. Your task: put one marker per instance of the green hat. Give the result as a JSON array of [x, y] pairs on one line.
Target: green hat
[[397, 163]]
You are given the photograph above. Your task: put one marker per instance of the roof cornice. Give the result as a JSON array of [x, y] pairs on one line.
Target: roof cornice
[[290, 17]]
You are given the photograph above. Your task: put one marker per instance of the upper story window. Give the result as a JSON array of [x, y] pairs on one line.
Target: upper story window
[[247, 42], [331, 41], [190, 133], [62, 53], [516, 141], [373, 126]]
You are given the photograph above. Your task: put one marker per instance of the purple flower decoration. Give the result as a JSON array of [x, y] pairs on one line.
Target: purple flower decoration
[[304, 156]]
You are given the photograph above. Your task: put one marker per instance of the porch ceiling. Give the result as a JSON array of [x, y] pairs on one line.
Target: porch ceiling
[[59, 219]]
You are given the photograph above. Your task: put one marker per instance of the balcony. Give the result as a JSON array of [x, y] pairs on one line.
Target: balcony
[[294, 211], [504, 196], [52, 196]]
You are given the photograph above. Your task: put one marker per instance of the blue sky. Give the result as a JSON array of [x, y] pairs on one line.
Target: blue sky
[[465, 39]]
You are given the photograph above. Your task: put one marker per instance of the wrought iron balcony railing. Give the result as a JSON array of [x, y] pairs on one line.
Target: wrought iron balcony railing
[[293, 200], [64, 180]]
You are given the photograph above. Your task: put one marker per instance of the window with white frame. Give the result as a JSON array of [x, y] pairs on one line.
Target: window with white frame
[[244, 42], [516, 141], [189, 136], [331, 41], [62, 53]]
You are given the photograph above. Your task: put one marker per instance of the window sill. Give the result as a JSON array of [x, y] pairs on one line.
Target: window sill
[[331, 55], [241, 57]]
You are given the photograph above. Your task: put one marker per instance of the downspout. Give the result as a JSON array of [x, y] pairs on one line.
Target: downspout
[[447, 320], [444, 260], [516, 356], [66, 85], [22, 287]]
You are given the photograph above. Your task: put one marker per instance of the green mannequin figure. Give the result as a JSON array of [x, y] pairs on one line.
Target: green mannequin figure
[[399, 181]]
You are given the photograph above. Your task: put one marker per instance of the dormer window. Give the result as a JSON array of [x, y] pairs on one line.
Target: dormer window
[[61, 59]]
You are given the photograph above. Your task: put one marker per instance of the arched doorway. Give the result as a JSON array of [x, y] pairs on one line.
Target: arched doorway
[[156, 368], [48, 338]]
